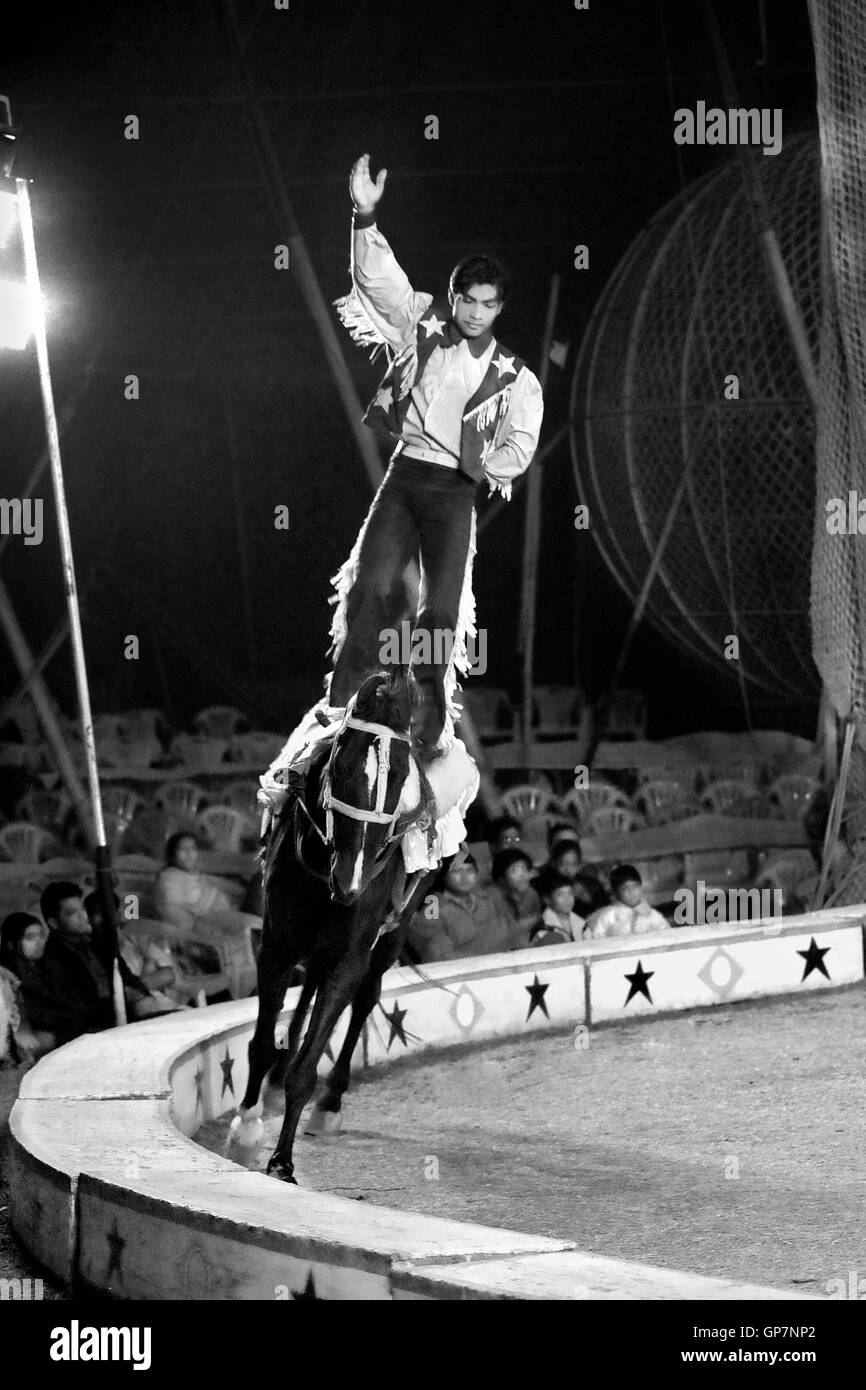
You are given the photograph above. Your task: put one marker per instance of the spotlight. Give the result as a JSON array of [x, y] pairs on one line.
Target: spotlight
[[8, 192]]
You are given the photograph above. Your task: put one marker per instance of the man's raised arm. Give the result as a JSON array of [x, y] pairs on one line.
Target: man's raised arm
[[379, 281]]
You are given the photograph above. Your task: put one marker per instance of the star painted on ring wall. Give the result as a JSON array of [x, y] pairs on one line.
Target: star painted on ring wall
[[639, 983], [536, 992], [814, 959]]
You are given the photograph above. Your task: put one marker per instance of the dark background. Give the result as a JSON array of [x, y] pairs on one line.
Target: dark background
[[157, 259]]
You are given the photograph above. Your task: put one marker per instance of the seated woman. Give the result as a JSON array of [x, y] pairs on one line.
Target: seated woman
[[629, 914], [559, 922], [48, 1011], [22, 937], [462, 920], [182, 893], [520, 904]]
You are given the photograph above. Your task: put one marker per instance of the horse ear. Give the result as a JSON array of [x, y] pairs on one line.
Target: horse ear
[[370, 690]]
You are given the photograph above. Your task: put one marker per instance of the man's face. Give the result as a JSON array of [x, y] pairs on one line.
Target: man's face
[[475, 309], [71, 919]]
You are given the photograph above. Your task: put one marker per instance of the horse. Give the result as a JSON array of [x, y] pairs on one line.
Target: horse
[[333, 877]]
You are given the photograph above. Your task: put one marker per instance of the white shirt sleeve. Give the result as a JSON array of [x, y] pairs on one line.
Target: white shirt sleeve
[[383, 287], [514, 455]]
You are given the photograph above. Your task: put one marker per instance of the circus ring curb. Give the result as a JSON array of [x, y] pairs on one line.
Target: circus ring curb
[[110, 1193]]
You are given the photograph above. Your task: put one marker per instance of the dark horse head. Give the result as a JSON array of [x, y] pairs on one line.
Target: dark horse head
[[371, 787]]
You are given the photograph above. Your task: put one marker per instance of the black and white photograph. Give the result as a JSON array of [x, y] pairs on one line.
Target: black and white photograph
[[433, 668]]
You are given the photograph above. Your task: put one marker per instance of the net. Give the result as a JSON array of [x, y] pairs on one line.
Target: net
[[839, 558]]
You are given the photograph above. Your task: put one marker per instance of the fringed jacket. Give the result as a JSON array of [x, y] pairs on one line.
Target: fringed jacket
[[479, 411]]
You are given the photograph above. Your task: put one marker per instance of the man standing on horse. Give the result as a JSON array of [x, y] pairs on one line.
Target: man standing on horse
[[457, 407]]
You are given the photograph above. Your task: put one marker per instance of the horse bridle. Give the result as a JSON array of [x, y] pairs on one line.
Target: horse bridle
[[378, 816]]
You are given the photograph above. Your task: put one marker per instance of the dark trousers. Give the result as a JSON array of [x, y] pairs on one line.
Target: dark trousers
[[423, 510]]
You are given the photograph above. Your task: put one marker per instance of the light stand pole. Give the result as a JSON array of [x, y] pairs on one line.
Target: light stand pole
[[102, 855]]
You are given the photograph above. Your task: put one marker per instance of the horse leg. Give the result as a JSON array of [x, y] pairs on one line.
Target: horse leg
[[275, 1088], [274, 966], [325, 1118], [335, 992]]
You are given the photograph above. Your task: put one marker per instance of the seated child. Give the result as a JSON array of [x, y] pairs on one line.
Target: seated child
[[462, 920], [520, 904], [149, 976], [629, 914], [589, 892], [559, 922]]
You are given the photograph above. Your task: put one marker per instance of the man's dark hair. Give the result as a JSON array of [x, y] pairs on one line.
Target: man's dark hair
[[564, 847], [54, 895], [549, 881], [478, 270], [623, 873], [503, 860], [560, 827]]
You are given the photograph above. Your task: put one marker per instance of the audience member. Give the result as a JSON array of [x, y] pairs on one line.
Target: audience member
[[589, 892], [519, 902], [69, 951], [559, 922], [463, 919], [149, 975], [629, 914], [182, 892], [22, 940], [55, 1010], [503, 833]]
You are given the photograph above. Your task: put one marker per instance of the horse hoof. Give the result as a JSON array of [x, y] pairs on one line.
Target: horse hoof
[[246, 1129], [324, 1122], [281, 1171]]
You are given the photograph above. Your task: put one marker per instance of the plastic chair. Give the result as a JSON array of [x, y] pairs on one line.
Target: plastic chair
[[611, 819], [526, 800], [558, 710], [732, 798], [581, 802], [257, 748], [786, 872], [663, 801], [491, 712], [198, 751], [219, 721], [44, 807], [225, 828], [180, 798], [626, 716], [22, 842], [242, 796], [791, 794]]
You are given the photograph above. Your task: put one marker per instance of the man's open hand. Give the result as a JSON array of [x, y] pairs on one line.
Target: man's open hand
[[365, 191]]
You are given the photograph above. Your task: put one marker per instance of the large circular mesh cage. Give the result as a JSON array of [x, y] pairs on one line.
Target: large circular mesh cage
[[687, 379]]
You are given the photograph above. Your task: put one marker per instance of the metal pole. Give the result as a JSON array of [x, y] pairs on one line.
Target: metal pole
[[531, 537], [102, 857], [44, 706]]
